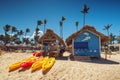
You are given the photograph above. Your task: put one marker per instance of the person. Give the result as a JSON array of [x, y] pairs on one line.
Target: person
[[106, 51]]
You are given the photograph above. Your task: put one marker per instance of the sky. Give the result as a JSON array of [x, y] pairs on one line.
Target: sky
[[25, 14]]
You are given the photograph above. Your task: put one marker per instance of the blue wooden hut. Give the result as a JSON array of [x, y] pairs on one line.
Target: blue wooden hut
[[87, 42]]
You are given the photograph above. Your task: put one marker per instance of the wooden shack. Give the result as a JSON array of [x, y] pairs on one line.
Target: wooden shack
[[51, 38], [86, 42]]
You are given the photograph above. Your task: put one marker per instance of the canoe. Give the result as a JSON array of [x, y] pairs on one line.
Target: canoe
[[48, 65], [17, 64], [38, 64], [25, 65], [37, 53]]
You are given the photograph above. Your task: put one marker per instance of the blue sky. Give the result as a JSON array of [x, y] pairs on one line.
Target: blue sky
[[25, 13]]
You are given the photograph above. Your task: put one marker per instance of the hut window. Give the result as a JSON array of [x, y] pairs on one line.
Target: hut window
[[81, 45]]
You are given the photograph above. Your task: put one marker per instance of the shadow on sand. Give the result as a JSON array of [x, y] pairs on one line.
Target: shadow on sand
[[100, 61], [22, 70], [91, 60], [62, 58]]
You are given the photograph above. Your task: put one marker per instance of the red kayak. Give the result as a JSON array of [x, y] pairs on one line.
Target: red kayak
[[26, 64], [37, 53]]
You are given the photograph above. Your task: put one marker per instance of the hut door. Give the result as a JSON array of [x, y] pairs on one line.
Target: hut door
[[80, 48]]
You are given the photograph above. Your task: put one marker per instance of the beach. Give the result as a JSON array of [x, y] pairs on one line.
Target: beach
[[93, 69]]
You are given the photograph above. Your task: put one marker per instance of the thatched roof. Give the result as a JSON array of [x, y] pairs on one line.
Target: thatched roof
[[103, 37], [50, 36]]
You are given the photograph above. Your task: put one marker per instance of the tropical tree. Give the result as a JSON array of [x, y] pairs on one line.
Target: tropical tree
[[112, 38], [107, 27], [20, 33], [45, 21], [27, 31], [118, 39], [25, 39], [6, 28], [85, 11], [76, 23], [39, 22], [1, 38], [61, 29], [61, 26], [13, 29], [6, 38]]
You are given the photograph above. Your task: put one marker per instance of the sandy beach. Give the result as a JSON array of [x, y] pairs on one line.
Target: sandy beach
[[93, 69]]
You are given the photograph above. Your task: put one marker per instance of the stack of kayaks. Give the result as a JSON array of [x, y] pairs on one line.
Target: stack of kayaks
[[44, 63], [17, 64]]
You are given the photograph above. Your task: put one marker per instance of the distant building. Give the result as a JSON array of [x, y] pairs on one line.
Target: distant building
[[86, 42]]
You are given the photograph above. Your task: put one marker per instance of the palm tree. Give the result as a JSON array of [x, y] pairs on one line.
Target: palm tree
[[1, 38], [112, 38], [85, 11], [6, 36], [6, 28], [14, 29], [61, 26], [25, 39], [39, 22], [118, 39], [45, 21], [107, 27], [27, 31], [76, 23], [20, 33]]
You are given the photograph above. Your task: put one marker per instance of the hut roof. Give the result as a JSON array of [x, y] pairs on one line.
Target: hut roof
[[103, 37], [51, 36]]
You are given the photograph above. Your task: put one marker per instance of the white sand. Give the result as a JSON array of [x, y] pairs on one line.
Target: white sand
[[63, 69]]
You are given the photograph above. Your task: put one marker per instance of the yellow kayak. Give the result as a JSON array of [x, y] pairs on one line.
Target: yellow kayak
[[38, 64], [47, 65], [16, 65]]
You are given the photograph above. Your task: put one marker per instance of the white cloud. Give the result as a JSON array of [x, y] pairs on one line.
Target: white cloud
[[40, 33]]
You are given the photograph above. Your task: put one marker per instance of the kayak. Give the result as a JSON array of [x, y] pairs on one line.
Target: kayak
[[38, 64], [17, 64], [48, 65], [25, 65], [37, 53]]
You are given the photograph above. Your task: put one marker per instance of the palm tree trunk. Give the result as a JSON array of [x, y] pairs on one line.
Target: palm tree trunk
[[62, 32], [108, 33], [76, 28], [84, 20], [44, 28]]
